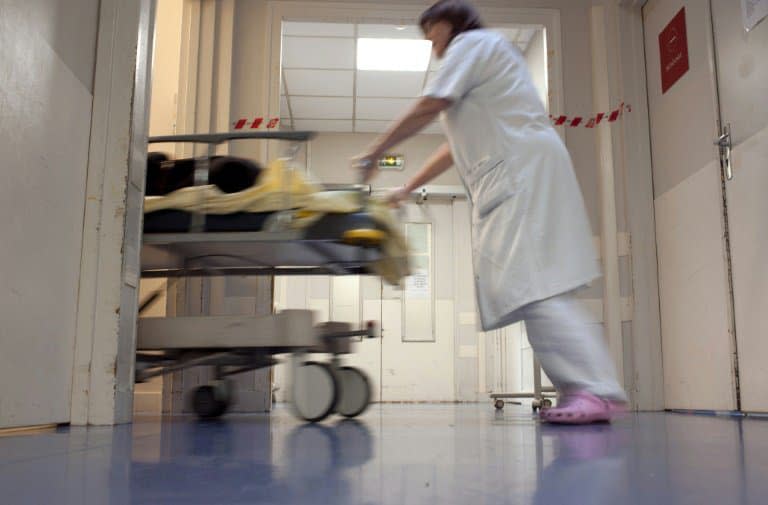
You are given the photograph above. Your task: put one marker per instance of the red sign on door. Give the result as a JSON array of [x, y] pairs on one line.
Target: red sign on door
[[673, 48]]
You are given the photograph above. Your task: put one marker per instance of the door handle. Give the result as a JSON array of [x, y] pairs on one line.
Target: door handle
[[722, 140], [724, 144]]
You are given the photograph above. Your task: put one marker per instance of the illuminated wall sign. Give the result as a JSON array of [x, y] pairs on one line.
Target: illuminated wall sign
[[392, 162]]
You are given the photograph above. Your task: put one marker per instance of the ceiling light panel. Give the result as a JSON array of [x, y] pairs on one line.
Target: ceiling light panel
[[318, 29], [393, 54], [318, 53], [320, 82]]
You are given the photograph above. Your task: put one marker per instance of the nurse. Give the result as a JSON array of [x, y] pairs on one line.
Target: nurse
[[531, 238]]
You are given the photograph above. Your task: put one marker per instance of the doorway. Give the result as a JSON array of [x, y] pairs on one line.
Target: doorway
[[431, 349]]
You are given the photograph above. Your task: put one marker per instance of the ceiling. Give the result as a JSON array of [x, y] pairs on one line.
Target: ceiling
[[321, 89]]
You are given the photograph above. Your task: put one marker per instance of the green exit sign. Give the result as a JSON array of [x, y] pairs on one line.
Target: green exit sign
[[392, 162]]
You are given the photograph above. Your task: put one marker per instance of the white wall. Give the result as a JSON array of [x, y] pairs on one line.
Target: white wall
[[46, 85], [166, 64]]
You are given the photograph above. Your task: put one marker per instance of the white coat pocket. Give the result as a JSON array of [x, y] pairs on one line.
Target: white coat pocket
[[492, 185]]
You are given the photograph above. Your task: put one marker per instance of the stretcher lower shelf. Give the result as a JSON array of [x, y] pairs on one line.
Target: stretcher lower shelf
[[289, 329]]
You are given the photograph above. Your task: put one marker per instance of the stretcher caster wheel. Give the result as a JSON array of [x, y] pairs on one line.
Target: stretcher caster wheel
[[354, 391], [546, 403], [498, 404], [210, 401], [315, 391]]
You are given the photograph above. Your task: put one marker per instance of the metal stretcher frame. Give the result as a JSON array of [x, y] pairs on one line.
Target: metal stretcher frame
[[166, 345]]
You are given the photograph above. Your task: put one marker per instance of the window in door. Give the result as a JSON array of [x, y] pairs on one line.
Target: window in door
[[418, 300]]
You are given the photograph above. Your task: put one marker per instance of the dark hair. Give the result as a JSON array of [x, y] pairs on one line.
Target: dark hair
[[461, 14]]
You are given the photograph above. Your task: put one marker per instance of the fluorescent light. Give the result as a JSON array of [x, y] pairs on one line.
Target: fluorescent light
[[393, 54]]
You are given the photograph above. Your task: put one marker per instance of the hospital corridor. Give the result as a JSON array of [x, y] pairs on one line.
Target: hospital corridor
[[383, 252]]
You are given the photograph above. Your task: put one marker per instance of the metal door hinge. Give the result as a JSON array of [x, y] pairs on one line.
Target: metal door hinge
[[723, 142]]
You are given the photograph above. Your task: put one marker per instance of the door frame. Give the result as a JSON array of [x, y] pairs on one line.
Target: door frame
[[107, 306], [628, 142]]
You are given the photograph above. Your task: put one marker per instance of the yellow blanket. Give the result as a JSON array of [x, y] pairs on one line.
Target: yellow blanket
[[281, 189]]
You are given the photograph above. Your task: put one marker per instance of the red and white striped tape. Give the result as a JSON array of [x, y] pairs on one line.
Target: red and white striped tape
[[571, 122], [256, 123], [591, 122]]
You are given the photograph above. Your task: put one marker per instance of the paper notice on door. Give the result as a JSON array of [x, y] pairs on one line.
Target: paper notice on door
[[417, 285], [753, 11]]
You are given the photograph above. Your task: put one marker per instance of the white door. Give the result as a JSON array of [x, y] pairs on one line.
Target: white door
[[414, 359], [418, 322], [710, 228], [697, 341], [357, 299], [742, 69]]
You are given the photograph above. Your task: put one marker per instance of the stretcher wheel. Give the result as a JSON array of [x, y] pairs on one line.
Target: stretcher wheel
[[315, 391], [546, 403], [209, 402], [355, 391], [365, 237], [499, 404]]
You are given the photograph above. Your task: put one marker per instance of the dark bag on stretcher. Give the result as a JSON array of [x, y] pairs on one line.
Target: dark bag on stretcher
[[229, 173]]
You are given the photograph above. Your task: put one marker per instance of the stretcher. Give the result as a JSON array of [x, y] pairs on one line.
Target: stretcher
[[284, 232]]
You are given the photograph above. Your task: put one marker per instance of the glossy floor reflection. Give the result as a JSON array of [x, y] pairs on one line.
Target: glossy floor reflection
[[395, 454]]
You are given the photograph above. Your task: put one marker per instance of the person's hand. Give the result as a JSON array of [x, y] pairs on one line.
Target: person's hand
[[364, 164], [396, 197]]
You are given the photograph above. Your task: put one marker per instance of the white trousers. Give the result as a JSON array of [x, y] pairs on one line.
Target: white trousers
[[572, 351]]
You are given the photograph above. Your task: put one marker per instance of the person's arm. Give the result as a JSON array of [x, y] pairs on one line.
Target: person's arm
[[424, 111], [440, 161]]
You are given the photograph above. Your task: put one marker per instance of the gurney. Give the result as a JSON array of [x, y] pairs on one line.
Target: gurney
[[283, 225]]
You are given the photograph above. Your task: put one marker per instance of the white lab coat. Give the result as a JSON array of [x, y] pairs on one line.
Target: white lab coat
[[531, 237]]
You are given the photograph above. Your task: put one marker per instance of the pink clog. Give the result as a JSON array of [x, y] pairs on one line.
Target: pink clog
[[583, 408]]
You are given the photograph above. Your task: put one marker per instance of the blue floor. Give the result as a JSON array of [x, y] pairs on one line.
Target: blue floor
[[395, 454]]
